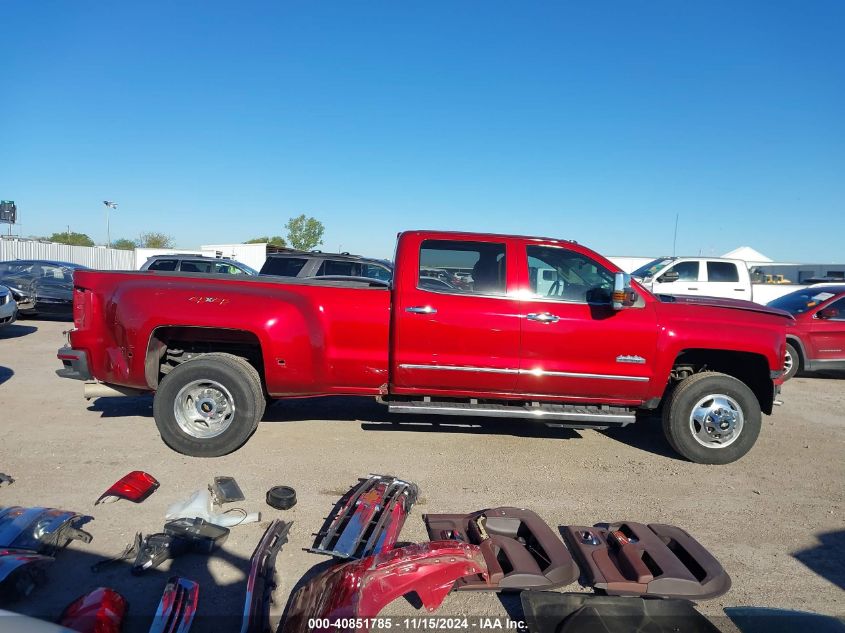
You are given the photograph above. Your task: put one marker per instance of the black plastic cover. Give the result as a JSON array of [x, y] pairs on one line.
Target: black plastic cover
[[552, 612]]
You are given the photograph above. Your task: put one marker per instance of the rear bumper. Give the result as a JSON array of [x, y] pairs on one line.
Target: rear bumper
[[75, 364]]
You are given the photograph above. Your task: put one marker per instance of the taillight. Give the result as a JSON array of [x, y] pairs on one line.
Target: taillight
[[100, 611], [79, 301], [136, 486]]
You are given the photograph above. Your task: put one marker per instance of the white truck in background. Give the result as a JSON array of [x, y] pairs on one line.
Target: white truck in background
[[708, 276]]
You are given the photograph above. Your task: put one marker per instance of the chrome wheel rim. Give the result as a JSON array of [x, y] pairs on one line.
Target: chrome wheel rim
[[716, 421], [787, 362], [204, 409]]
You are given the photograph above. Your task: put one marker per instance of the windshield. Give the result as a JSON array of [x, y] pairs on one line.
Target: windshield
[[651, 268], [801, 301]]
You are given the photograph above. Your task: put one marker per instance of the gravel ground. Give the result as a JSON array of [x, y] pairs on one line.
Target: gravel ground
[[774, 519]]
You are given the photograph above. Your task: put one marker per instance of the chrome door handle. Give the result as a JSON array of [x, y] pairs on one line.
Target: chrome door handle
[[692, 288], [421, 310], [543, 317]]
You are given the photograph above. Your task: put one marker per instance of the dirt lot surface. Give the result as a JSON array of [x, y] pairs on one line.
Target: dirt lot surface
[[775, 519]]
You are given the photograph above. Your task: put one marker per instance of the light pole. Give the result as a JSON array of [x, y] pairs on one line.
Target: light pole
[[109, 206]]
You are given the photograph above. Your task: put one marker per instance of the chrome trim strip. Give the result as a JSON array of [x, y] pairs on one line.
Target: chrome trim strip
[[485, 370], [525, 372], [572, 374]]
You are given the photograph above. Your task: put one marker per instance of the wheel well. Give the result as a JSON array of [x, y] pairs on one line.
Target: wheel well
[[799, 347], [752, 369], [171, 345]]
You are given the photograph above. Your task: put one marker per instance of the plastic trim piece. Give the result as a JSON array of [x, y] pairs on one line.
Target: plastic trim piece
[[632, 559], [20, 571], [262, 578], [356, 591], [281, 497], [368, 519], [177, 608], [521, 551], [552, 612]]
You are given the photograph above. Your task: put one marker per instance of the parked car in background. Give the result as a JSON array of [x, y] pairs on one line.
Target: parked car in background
[[317, 264], [707, 276], [816, 339], [40, 287], [197, 264], [8, 307]]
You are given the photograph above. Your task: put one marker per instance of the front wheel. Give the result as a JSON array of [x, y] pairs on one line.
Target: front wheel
[[209, 406], [712, 418], [791, 362]]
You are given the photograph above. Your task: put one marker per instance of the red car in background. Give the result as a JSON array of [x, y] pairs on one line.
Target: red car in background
[[816, 339]]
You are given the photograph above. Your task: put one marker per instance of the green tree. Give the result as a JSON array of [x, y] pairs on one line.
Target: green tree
[[276, 240], [71, 238], [154, 239], [124, 244], [304, 232]]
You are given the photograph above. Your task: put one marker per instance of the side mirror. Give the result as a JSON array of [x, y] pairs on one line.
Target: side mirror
[[669, 276], [623, 294]]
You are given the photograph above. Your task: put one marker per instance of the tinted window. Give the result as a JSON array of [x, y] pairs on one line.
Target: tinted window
[[343, 268], [722, 271], [283, 266], [836, 310], [558, 273], [196, 266], [472, 267], [163, 264], [687, 271]]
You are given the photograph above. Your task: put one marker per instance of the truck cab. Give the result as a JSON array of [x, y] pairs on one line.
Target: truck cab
[[703, 276]]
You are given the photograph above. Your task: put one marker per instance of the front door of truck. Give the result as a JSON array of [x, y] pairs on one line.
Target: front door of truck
[[573, 343], [455, 329], [827, 334]]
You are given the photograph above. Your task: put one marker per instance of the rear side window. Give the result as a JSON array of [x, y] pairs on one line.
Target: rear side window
[[476, 268], [163, 264], [283, 266], [687, 271], [722, 271], [196, 266], [339, 267]]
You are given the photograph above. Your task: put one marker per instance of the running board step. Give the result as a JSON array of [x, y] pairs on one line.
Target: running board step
[[580, 415]]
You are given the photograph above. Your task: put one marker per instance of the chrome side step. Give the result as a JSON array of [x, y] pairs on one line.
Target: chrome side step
[[580, 415]]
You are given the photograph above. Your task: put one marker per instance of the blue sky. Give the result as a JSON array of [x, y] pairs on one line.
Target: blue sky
[[595, 121]]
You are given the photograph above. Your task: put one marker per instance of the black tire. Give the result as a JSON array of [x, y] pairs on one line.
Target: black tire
[[242, 382], [793, 353], [686, 396]]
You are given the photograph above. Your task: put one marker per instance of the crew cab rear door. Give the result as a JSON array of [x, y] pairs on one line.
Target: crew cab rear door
[[726, 279], [455, 328], [574, 345]]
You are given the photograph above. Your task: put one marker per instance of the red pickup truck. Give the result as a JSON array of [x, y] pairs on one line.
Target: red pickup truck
[[472, 324]]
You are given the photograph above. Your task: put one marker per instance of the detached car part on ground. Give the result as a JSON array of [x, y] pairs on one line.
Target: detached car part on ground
[[42, 530], [552, 612], [579, 345], [368, 519], [359, 590]]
